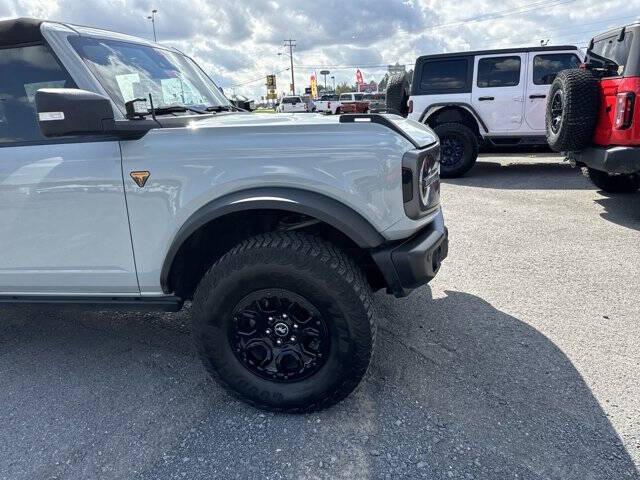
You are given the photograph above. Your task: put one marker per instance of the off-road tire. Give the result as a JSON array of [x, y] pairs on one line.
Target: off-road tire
[[312, 268], [572, 129], [397, 95], [614, 183], [457, 132]]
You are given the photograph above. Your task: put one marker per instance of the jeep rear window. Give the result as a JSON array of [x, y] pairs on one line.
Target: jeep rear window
[[23, 71], [498, 72], [546, 67], [345, 96], [448, 75], [614, 50]]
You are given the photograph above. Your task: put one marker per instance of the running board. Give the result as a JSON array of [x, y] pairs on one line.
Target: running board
[[168, 303]]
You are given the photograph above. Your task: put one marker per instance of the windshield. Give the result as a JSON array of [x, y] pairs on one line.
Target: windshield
[[129, 70]]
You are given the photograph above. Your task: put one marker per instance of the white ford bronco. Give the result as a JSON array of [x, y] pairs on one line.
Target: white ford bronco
[[491, 97], [127, 180]]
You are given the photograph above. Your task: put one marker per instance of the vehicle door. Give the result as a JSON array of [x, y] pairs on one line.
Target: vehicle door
[[498, 91], [543, 68], [64, 226]]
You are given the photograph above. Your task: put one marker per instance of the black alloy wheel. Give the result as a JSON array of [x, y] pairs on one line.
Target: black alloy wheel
[[279, 335]]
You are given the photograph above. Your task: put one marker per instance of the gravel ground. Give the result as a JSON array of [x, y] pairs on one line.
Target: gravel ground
[[520, 360]]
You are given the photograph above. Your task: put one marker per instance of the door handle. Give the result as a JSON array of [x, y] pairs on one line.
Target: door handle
[[537, 96], [484, 99]]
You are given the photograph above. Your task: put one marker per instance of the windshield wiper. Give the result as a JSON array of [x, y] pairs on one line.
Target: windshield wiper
[[175, 109], [223, 108]]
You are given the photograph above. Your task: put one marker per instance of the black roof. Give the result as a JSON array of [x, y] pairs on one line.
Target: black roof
[[20, 30], [615, 31], [499, 50]]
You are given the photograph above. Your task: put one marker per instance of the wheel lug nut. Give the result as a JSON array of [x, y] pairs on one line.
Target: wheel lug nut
[[284, 315], [295, 325], [293, 338], [267, 331], [278, 341]]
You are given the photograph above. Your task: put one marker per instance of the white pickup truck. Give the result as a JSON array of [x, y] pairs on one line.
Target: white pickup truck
[[328, 104], [292, 104]]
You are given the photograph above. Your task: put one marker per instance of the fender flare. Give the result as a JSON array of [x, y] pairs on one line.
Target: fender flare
[[434, 107], [324, 208]]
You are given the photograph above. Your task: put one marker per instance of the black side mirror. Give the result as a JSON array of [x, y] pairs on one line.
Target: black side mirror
[[71, 111]]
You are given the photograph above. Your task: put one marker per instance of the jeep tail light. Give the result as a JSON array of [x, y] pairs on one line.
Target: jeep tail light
[[410, 105], [624, 110]]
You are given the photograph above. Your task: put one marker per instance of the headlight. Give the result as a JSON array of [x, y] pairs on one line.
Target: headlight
[[421, 181]]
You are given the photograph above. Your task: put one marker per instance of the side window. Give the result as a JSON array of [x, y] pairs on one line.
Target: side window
[[445, 76], [546, 67], [498, 72], [23, 71]]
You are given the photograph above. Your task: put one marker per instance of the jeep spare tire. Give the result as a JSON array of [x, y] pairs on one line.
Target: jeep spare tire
[[572, 110], [398, 95]]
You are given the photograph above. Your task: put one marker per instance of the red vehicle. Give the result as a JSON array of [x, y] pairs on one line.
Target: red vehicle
[[593, 113], [353, 103]]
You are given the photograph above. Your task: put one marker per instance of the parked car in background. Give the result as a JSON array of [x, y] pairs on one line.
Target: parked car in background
[[593, 112], [329, 103], [311, 104], [376, 102], [353, 103], [491, 97], [292, 104]]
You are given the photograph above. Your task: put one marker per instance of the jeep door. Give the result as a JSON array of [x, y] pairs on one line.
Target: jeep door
[[543, 67], [64, 226], [498, 91]]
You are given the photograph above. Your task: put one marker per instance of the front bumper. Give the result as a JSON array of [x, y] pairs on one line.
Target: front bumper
[[611, 160], [415, 261]]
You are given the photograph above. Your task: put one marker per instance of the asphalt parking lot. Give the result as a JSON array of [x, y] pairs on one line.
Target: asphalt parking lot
[[520, 360]]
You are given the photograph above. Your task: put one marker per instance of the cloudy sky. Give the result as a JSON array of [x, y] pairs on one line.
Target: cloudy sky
[[238, 41]]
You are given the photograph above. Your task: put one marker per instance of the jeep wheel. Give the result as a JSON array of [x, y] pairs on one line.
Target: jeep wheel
[[458, 149], [572, 110], [398, 95], [284, 321], [614, 183]]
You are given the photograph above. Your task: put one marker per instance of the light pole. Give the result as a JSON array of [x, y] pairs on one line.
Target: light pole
[[325, 73], [290, 43], [152, 17]]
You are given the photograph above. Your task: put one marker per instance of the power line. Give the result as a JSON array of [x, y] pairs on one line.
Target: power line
[[263, 77]]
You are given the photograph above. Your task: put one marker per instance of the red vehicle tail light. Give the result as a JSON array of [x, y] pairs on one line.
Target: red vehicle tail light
[[624, 110], [410, 105]]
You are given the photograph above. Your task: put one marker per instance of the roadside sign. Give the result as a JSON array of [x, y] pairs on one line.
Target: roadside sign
[[271, 82]]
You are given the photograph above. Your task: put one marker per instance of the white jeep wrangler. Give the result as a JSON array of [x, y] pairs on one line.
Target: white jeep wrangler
[[128, 180], [491, 97]]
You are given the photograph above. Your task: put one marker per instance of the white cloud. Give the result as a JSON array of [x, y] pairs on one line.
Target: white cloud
[[239, 40]]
